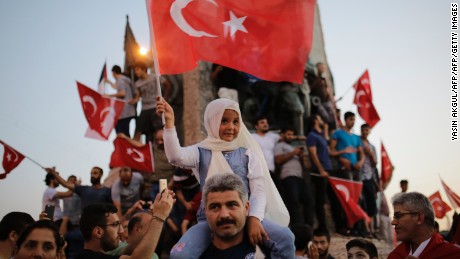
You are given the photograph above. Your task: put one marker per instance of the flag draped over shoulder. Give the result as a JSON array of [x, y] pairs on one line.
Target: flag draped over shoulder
[[126, 154], [11, 159], [102, 78], [348, 193], [453, 197], [269, 39], [387, 166], [439, 206], [101, 113], [363, 100]]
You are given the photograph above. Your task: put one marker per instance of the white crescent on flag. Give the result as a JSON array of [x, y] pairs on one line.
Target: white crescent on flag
[[90, 100], [140, 157], [358, 98], [343, 189], [176, 15]]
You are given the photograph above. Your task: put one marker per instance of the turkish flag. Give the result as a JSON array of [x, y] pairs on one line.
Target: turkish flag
[[366, 108], [439, 206], [126, 154], [348, 193], [269, 39], [101, 113], [11, 159], [453, 197], [364, 83], [387, 167]]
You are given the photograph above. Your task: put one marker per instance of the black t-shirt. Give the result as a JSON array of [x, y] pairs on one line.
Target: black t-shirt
[[243, 250], [88, 254]]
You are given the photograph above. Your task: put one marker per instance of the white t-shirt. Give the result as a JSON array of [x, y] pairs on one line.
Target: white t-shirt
[[267, 144], [49, 198]]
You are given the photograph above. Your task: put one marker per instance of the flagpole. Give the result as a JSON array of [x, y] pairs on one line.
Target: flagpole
[[341, 97], [155, 56], [35, 162]]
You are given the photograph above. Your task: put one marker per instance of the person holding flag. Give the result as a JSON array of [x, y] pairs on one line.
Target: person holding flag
[[229, 147]]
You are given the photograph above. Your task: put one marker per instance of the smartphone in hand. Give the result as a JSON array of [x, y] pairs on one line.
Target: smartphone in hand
[[49, 210]]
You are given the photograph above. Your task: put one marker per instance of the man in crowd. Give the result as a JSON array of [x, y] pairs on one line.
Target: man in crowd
[[125, 93], [226, 207], [101, 229], [126, 190], [322, 241], [321, 166], [368, 175], [296, 191], [72, 204], [147, 89], [413, 221], [404, 184], [11, 227], [96, 193], [51, 196], [267, 141]]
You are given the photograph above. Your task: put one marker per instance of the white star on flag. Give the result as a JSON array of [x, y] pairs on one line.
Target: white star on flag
[[235, 24], [129, 151], [8, 157]]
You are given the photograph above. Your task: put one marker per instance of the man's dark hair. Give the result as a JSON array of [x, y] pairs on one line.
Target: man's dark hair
[[302, 234], [403, 182], [311, 120], [348, 115], [14, 221], [365, 126], [48, 178], [321, 232], [259, 118], [287, 128], [364, 244], [116, 69], [95, 215], [42, 224]]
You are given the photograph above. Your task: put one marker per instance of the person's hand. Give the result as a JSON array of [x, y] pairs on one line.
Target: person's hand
[[51, 170], [188, 205], [164, 108], [163, 204], [43, 216], [256, 231], [323, 173], [350, 150], [313, 251], [358, 165], [298, 151]]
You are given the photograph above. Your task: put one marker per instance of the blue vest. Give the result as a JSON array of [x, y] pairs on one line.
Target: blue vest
[[238, 161]]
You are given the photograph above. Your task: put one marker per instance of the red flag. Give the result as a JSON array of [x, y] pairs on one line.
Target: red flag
[[126, 154], [387, 167], [439, 206], [101, 85], [366, 108], [269, 39], [11, 159], [453, 197], [101, 113], [348, 193], [364, 83]]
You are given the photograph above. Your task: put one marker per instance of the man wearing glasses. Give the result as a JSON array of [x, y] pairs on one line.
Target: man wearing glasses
[[101, 229], [413, 220]]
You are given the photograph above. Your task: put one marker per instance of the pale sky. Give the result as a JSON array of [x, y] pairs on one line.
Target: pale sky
[[47, 45]]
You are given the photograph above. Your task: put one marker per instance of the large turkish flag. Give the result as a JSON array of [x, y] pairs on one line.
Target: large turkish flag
[[363, 99], [270, 39]]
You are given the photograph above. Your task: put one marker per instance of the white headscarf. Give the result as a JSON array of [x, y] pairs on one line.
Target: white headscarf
[[275, 210]]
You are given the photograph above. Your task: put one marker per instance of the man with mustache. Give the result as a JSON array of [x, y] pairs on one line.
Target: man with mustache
[[226, 206], [96, 193]]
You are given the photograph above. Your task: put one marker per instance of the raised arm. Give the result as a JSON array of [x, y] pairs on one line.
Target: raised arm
[[161, 209], [60, 180]]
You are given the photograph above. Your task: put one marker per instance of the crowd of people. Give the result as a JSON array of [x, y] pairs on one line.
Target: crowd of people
[[239, 194]]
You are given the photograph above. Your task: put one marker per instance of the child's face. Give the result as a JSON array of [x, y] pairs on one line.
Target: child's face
[[229, 125]]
